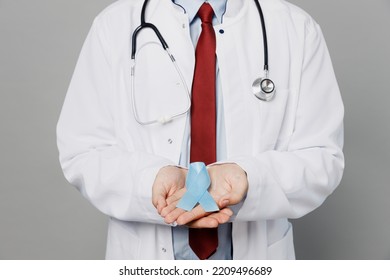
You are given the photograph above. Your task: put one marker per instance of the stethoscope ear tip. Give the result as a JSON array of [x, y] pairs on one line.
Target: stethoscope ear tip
[[164, 120]]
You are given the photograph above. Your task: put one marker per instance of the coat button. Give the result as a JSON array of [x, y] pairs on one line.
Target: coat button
[[164, 250], [170, 141]]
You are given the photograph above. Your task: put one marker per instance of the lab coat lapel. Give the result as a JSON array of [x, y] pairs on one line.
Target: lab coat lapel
[[174, 27], [239, 58], [155, 71], [254, 126]]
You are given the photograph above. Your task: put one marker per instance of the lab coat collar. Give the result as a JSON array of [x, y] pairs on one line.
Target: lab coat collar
[[191, 8]]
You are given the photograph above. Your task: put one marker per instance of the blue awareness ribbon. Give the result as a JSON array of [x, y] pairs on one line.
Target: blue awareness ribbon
[[197, 183]]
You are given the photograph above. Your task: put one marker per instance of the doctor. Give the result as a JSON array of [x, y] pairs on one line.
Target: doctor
[[126, 135]]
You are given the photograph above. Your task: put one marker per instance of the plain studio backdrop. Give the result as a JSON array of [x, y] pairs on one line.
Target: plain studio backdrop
[[43, 217]]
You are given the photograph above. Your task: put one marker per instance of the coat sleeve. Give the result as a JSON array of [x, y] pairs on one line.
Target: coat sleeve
[[115, 180], [294, 182]]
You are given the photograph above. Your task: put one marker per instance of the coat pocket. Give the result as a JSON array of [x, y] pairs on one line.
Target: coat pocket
[[122, 242], [277, 119], [282, 249]]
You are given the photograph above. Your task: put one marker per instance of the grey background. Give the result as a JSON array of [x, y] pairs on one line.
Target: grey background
[[43, 217]]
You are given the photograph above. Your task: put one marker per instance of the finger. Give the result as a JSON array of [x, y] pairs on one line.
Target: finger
[[205, 222], [213, 220], [176, 196], [168, 209], [173, 215], [159, 199], [195, 214], [224, 201], [222, 216], [230, 199], [155, 197], [159, 194], [171, 202], [161, 204], [239, 190]]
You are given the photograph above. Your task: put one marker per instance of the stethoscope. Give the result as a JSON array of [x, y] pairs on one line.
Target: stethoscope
[[263, 87]]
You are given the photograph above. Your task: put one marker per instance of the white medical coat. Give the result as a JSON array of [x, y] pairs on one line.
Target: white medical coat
[[290, 148]]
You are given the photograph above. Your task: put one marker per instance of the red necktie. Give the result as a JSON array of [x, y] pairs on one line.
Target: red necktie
[[204, 242]]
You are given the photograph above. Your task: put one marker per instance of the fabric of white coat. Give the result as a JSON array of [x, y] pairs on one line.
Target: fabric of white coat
[[290, 148]]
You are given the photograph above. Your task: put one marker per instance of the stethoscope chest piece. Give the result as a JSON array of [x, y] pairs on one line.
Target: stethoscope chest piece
[[264, 89]]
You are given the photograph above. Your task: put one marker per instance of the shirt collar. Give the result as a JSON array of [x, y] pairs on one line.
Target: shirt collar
[[191, 7]]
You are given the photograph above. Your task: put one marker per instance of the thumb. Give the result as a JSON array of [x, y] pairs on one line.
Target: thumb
[[224, 201], [159, 198]]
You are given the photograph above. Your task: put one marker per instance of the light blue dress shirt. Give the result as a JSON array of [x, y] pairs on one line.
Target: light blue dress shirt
[[180, 234]]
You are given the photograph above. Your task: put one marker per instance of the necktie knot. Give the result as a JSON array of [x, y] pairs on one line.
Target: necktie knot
[[206, 13]]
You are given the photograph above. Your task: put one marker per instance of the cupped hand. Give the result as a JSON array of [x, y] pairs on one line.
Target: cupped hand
[[229, 186], [168, 182]]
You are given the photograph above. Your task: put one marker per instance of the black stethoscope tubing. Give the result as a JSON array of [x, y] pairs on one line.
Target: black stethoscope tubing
[[264, 88], [265, 40], [142, 26]]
